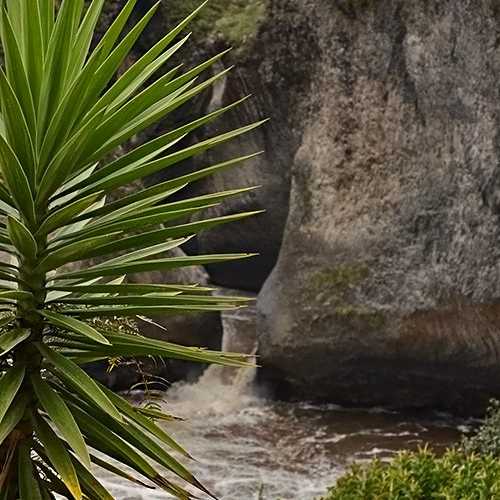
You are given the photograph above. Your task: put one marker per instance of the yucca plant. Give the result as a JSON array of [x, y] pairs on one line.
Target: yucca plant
[[64, 110]]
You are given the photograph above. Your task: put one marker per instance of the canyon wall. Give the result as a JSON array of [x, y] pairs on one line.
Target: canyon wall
[[386, 288], [381, 182]]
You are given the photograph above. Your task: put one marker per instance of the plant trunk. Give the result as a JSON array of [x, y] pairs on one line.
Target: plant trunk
[[28, 355]]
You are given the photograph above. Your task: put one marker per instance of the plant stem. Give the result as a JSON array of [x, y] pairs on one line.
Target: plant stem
[[34, 282]]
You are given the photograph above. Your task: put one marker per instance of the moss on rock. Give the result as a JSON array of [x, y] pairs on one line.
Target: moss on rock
[[369, 317], [332, 289], [341, 277]]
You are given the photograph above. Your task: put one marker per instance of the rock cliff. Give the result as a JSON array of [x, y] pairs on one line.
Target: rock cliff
[[381, 181], [387, 285]]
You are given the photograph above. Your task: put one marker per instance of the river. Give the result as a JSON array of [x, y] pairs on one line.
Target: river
[[244, 443], [247, 445]]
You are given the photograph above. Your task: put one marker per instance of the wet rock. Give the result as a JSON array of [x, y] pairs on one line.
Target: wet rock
[[386, 288]]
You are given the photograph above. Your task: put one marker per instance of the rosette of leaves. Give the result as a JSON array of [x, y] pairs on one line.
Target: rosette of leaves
[[64, 109]]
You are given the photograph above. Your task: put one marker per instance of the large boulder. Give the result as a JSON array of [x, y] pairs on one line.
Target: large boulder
[[387, 286]]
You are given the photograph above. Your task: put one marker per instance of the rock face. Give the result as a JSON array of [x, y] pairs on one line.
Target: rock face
[[387, 286], [385, 127], [264, 68]]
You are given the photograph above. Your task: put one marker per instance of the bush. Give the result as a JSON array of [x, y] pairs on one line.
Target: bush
[[486, 440], [422, 476]]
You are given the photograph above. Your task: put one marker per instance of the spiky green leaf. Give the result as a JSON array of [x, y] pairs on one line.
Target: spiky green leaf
[[9, 386], [73, 373], [59, 414], [59, 457]]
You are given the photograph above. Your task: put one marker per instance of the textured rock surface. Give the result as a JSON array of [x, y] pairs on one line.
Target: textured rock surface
[[385, 121], [264, 69], [387, 285]]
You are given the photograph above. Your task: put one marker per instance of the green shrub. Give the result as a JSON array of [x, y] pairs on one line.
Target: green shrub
[[422, 476], [236, 20], [486, 440]]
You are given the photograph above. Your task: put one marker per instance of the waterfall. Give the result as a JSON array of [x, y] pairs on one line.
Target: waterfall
[[221, 388], [239, 335]]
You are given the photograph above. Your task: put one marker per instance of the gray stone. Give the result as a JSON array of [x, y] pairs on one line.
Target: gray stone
[[387, 285]]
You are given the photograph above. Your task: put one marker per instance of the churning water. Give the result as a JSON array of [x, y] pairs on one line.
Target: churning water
[[245, 444]]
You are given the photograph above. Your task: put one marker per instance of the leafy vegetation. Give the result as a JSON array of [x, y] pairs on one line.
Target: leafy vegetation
[[236, 20], [486, 440], [63, 111], [422, 476], [470, 471]]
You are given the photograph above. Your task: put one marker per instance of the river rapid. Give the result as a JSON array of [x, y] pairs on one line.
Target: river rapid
[[246, 445]]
